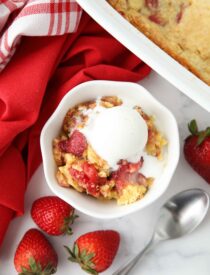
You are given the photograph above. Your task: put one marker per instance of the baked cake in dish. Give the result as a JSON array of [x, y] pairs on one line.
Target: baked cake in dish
[[82, 167], [180, 27]]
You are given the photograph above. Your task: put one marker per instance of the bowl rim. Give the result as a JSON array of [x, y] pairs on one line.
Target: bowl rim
[[143, 47], [170, 171]]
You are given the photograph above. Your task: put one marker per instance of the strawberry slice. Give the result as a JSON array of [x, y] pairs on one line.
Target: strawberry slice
[[93, 189], [137, 178], [181, 13], [156, 18], [129, 166], [90, 171], [79, 176], [128, 173], [93, 186], [88, 178], [75, 145]]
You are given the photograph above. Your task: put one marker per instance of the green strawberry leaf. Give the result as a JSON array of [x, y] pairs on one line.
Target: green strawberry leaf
[[89, 256], [90, 270], [68, 249], [193, 128], [207, 132], [76, 250], [35, 268], [49, 269], [203, 135], [82, 258], [83, 254], [72, 255], [201, 138], [68, 221]]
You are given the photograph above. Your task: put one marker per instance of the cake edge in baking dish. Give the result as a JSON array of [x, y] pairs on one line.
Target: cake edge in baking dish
[[150, 29]]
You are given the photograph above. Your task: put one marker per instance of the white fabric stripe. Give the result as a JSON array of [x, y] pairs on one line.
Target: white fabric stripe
[[19, 3], [31, 25], [63, 18], [55, 23], [73, 23], [34, 2], [2, 46], [4, 14]]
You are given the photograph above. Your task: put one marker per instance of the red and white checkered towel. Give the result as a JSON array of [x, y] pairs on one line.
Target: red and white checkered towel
[[34, 18]]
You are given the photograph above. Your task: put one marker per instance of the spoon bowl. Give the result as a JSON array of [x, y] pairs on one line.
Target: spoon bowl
[[179, 216], [182, 214]]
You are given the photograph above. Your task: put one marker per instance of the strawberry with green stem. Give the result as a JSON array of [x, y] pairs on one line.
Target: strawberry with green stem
[[197, 150], [35, 255], [53, 215], [95, 251]]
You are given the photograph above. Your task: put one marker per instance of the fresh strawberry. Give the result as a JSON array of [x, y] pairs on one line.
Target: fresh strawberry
[[35, 255], [95, 251], [53, 215], [197, 150], [75, 145]]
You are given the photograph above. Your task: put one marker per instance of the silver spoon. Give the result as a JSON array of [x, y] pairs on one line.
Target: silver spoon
[[178, 216]]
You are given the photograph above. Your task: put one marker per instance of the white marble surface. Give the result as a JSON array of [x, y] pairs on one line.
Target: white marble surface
[[186, 256]]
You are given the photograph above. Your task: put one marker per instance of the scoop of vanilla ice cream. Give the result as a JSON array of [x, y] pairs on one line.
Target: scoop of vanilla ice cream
[[117, 133]]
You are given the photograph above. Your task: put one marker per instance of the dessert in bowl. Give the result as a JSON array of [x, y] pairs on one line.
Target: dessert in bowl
[[103, 146], [106, 142]]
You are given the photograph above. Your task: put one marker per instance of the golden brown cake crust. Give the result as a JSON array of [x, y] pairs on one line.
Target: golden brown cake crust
[[180, 28]]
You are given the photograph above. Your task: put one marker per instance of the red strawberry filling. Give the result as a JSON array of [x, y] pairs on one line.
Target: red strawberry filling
[[79, 176], [88, 178], [128, 173], [156, 18], [75, 145], [130, 167], [180, 13], [90, 171]]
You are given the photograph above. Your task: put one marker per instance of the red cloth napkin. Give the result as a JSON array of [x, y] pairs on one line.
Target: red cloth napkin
[[41, 72], [34, 18]]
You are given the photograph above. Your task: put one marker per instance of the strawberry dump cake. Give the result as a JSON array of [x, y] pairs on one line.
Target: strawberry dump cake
[[181, 28], [104, 149]]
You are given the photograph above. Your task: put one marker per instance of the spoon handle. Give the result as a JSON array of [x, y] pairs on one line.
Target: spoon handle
[[128, 266]]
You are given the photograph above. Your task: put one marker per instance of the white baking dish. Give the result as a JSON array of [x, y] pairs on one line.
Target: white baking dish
[[150, 53]]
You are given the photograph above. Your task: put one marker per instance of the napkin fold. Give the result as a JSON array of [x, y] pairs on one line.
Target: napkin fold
[[41, 72], [34, 18]]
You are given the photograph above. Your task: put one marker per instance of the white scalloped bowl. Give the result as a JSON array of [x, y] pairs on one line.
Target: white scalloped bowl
[[91, 90]]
